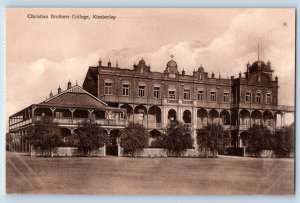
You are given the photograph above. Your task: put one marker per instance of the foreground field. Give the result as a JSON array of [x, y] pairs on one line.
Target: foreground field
[[113, 175]]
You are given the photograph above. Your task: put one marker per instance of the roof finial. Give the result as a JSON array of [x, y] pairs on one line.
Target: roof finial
[[76, 82], [172, 56], [69, 84]]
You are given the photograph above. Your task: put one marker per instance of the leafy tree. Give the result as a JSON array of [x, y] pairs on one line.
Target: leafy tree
[[256, 139], [213, 137], [177, 138], [134, 138], [45, 134], [89, 137], [283, 142]]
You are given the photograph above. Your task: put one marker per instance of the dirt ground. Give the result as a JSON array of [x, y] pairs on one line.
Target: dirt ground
[[121, 175]]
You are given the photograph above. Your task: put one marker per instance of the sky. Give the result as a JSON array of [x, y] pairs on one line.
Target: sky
[[42, 54]]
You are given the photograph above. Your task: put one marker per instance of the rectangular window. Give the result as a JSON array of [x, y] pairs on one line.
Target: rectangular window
[[200, 95], [248, 97], [107, 88], [226, 97], [141, 91], [156, 92], [125, 90], [213, 96], [172, 95], [269, 99], [258, 98], [187, 94]]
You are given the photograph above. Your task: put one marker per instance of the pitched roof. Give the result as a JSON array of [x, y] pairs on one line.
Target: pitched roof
[[75, 97]]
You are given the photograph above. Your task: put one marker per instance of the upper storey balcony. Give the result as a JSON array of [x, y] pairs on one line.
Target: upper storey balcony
[[70, 108]]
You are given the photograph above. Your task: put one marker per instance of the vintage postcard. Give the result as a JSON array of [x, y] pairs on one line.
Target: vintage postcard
[[180, 101]]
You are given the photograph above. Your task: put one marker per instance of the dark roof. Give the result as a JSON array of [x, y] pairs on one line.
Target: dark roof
[[75, 97], [171, 63], [259, 66]]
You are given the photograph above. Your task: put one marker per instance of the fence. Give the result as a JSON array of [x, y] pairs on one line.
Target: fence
[[67, 152]]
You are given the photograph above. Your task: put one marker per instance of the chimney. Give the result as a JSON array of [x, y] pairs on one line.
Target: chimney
[[183, 72], [51, 94], [69, 84], [276, 78], [59, 90], [240, 75], [231, 77], [100, 62], [212, 75], [109, 64]]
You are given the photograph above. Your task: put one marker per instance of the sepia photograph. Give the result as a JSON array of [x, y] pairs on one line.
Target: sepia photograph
[[150, 101]]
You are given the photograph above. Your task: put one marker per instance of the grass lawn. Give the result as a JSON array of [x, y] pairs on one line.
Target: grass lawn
[[121, 175]]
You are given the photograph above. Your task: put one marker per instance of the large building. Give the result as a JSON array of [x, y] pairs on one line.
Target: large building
[[69, 109], [155, 99], [113, 96]]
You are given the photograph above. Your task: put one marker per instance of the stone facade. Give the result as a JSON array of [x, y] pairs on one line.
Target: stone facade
[[155, 99]]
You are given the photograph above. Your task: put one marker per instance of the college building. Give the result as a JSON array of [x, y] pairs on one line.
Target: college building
[[113, 96], [155, 99], [69, 109]]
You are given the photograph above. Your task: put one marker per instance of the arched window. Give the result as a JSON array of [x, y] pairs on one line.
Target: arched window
[[258, 96], [156, 91], [172, 92], [141, 89], [200, 95], [187, 94], [248, 96], [213, 96], [269, 98], [226, 97]]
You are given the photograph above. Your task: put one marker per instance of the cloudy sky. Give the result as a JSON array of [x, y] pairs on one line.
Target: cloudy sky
[[42, 54]]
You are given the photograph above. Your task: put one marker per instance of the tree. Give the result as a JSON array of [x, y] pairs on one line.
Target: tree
[[177, 138], [283, 142], [45, 134], [134, 138], [256, 139], [89, 137], [213, 137]]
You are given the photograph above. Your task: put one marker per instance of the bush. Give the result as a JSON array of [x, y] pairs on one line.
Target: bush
[[45, 134], [177, 138], [89, 137], [213, 137], [134, 138], [283, 142], [256, 139]]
